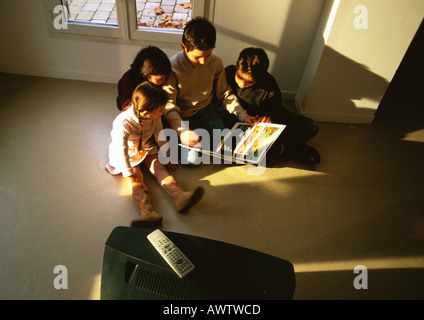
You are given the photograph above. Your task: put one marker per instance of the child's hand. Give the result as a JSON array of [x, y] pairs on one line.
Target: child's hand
[[263, 119], [190, 138], [250, 120], [172, 167]]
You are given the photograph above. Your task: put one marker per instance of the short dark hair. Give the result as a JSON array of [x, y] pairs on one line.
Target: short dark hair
[[253, 61], [199, 34]]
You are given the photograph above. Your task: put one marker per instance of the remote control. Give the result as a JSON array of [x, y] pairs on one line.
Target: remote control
[[171, 253]]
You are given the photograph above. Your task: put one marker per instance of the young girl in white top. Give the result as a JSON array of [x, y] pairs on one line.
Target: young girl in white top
[[135, 140]]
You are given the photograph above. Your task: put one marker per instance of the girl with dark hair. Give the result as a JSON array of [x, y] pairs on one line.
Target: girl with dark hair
[[151, 64]]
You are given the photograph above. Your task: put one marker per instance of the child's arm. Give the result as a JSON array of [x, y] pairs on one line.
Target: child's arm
[[119, 150], [172, 111], [272, 102], [172, 114], [225, 94]]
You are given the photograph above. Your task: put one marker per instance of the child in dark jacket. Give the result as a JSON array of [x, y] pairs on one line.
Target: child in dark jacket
[[259, 94]]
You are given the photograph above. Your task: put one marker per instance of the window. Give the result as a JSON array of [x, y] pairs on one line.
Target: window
[[124, 21]]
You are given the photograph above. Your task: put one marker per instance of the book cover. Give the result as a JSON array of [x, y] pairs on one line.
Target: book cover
[[245, 143]]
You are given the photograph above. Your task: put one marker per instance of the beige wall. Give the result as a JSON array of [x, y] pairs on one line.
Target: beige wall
[[341, 80], [31, 50], [348, 72], [285, 28]]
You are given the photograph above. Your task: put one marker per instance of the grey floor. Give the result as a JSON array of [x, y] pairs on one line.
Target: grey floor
[[362, 205]]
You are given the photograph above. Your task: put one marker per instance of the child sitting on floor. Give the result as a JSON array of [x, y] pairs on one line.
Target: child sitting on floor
[[259, 94], [151, 64], [197, 87], [135, 140]]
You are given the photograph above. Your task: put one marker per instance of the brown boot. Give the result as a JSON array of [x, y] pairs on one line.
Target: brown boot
[[183, 200], [148, 218]]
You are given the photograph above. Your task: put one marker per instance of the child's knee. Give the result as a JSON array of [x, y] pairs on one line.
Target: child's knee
[[155, 166]]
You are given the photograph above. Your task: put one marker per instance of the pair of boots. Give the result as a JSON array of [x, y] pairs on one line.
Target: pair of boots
[[149, 218]]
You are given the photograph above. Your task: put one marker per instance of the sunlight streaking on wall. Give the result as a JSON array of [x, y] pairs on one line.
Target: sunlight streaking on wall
[[331, 19]]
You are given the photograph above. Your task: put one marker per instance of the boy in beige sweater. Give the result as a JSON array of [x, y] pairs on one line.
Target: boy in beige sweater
[[197, 87]]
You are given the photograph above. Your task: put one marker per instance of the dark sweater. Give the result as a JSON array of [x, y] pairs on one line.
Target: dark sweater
[[262, 99]]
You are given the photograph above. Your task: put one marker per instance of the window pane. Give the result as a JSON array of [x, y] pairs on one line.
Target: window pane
[[92, 11], [164, 14]]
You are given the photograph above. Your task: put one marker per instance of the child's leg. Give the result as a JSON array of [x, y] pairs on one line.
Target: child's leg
[[183, 200], [156, 168], [299, 128], [136, 181], [209, 119], [148, 218]]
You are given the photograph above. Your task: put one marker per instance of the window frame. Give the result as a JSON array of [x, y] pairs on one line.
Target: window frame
[[127, 31]]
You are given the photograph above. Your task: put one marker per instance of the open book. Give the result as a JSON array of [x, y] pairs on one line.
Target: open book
[[244, 143]]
